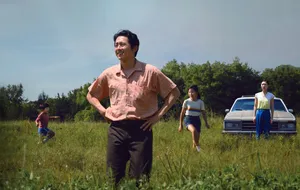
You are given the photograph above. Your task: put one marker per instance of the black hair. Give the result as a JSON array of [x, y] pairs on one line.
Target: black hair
[[43, 106], [132, 39], [195, 88]]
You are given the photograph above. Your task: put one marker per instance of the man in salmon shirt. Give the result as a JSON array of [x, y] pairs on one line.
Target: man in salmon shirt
[[132, 87]]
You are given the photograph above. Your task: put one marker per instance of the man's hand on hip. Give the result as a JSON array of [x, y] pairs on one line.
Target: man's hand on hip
[[102, 113], [150, 122]]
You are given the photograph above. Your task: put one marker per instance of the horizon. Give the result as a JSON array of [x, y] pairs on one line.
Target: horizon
[[55, 47]]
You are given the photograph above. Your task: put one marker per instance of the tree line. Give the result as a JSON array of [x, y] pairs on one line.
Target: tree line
[[219, 84]]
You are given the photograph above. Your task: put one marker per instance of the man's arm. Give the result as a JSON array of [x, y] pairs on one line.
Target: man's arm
[[96, 103], [96, 92], [169, 101]]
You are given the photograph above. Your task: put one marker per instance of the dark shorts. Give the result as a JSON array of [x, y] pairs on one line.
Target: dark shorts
[[193, 120]]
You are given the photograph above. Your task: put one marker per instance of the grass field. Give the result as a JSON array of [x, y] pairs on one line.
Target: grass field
[[76, 158]]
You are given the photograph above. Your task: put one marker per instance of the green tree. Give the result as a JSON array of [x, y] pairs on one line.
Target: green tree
[[219, 83], [11, 99], [175, 72], [4, 103], [284, 82], [29, 110]]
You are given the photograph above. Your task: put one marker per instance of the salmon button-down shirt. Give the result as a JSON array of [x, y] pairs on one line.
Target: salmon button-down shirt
[[133, 96]]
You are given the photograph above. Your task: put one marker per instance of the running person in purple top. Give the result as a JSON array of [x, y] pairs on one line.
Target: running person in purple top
[[192, 109], [42, 124]]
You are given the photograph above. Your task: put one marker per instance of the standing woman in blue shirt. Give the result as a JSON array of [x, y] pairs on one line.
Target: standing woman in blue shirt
[[190, 114], [263, 111]]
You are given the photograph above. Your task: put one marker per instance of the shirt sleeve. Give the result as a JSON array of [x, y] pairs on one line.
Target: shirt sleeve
[[99, 88], [164, 85], [184, 105], [202, 107], [38, 119]]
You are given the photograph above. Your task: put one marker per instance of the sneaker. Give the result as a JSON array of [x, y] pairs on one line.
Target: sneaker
[[267, 135], [198, 148]]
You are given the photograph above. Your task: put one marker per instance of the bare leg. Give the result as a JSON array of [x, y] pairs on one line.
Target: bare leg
[[195, 135], [197, 138], [41, 137]]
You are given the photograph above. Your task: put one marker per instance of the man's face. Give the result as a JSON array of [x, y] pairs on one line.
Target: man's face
[[123, 49]]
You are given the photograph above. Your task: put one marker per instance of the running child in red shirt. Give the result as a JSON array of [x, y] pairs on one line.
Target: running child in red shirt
[[42, 124]]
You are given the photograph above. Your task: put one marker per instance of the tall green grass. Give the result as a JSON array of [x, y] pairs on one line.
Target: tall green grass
[[76, 158]]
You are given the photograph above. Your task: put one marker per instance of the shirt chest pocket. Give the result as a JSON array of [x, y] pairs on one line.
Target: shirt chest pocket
[[138, 92]]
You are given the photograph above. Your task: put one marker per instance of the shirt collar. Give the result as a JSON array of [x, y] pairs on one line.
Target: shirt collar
[[137, 67]]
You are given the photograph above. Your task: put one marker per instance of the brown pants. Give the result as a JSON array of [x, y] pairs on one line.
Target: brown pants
[[127, 142]]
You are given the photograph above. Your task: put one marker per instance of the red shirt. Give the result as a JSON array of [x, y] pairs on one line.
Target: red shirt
[[42, 120]]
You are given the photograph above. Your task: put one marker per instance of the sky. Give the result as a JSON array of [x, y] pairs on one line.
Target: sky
[[55, 46]]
